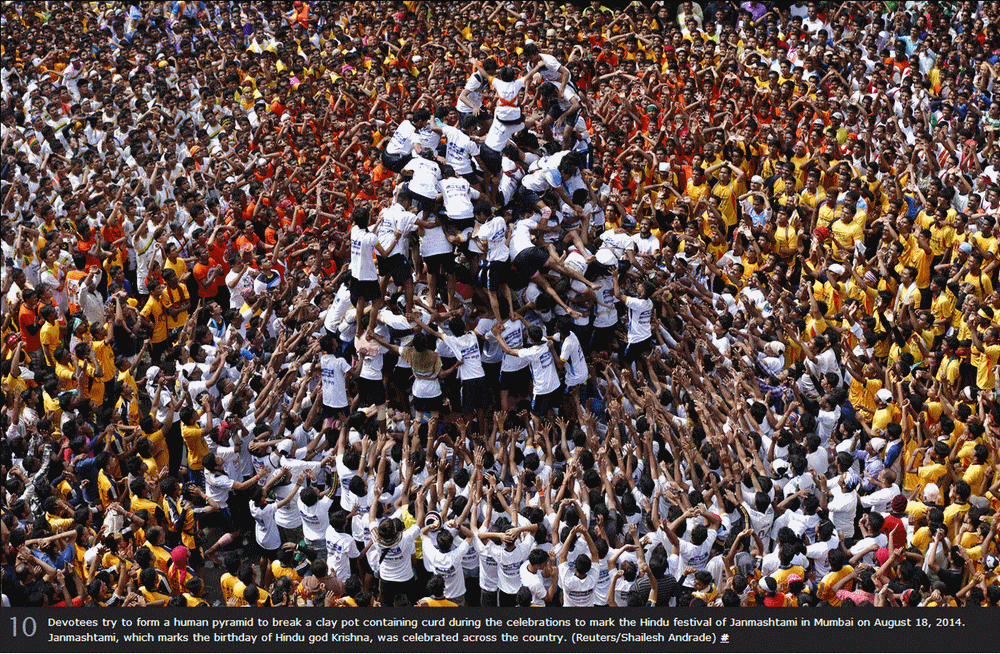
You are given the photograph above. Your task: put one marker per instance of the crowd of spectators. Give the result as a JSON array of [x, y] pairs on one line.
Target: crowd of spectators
[[500, 304]]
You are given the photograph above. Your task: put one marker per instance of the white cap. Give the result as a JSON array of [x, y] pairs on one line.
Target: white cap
[[262, 162], [877, 444], [884, 394], [836, 269], [756, 179], [417, 59]]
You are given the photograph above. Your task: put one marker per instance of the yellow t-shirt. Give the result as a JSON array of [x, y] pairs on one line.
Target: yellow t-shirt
[[953, 516], [824, 591], [846, 234], [154, 313], [975, 477], [727, 201], [159, 447], [49, 336], [106, 357], [170, 297], [196, 445], [93, 387], [987, 359]]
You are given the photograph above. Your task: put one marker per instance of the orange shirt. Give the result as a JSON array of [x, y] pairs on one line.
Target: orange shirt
[[27, 318], [201, 273]]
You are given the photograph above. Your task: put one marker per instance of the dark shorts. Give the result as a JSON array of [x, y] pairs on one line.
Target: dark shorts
[[428, 404], [492, 159], [602, 338], [395, 162], [493, 274], [472, 178], [489, 597], [396, 267], [422, 202], [475, 395], [492, 371], [636, 351], [440, 264], [528, 262], [371, 392], [335, 412], [368, 291], [541, 404], [516, 382], [555, 111], [257, 552], [525, 200]]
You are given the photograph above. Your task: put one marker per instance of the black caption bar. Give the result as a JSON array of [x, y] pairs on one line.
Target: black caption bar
[[545, 630]]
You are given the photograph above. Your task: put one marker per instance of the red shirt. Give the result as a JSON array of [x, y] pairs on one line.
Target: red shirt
[[890, 523]]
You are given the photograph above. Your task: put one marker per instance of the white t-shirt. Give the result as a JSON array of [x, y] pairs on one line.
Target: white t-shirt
[[576, 364], [544, 374], [340, 549], [535, 582], [333, 372], [345, 475], [513, 336], [577, 591], [606, 314], [509, 180], [447, 564], [509, 564], [265, 529], [401, 142], [460, 150], [396, 566], [218, 487], [507, 94], [363, 503], [618, 243], [550, 68], [362, 249], [520, 237], [396, 218], [287, 516], [458, 196], [842, 509], [494, 232], [239, 283], [426, 175], [696, 556], [639, 314], [466, 349], [542, 180], [475, 86], [315, 518], [648, 245], [488, 575]]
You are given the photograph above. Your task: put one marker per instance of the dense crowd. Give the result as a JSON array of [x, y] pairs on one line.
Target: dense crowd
[[393, 303]]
